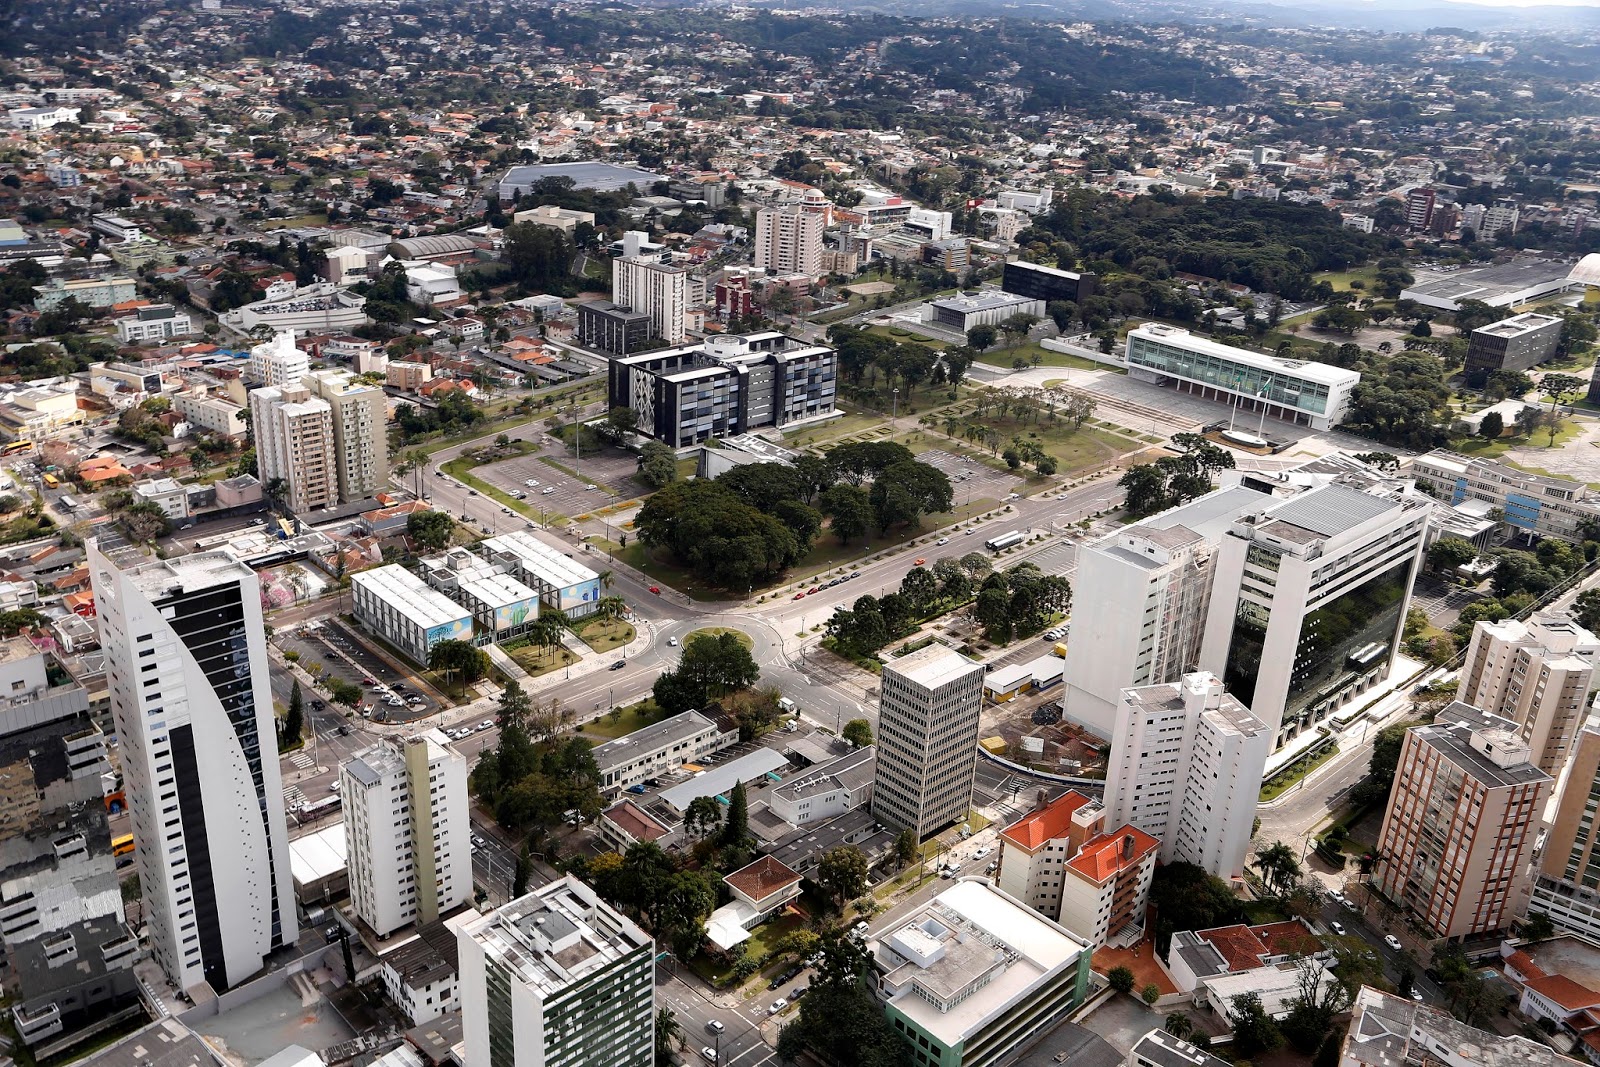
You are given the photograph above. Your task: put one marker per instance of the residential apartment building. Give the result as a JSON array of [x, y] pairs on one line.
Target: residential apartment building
[[1567, 886], [1534, 503], [927, 739], [403, 610], [210, 413], [68, 955], [1521, 342], [789, 240], [360, 432], [1502, 217], [974, 975], [95, 292], [727, 385], [186, 665], [1309, 601], [406, 831], [1390, 1031], [407, 374], [1419, 208], [293, 432], [278, 362], [1151, 585], [1185, 767], [1457, 839], [557, 978], [644, 283], [1539, 674], [154, 323], [1061, 862], [1307, 394]]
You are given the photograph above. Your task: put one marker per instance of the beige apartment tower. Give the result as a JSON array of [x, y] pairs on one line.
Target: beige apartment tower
[[927, 739], [1567, 888], [293, 433], [789, 241], [1539, 674], [1456, 847], [360, 432]]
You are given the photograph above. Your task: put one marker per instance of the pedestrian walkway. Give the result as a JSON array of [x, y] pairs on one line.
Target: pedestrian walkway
[[502, 659]]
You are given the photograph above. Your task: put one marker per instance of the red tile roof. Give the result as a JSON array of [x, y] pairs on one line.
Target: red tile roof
[[1046, 824], [1565, 992], [1288, 938], [1103, 856], [635, 822], [1239, 946], [762, 878]]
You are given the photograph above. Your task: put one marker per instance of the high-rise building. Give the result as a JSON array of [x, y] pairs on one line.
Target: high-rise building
[[1419, 207], [1567, 887], [1520, 342], [68, 954], [1185, 767], [1151, 587], [1309, 601], [360, 432], [927, 739], [1038, 282], [660, 290], [406, 834], [557, 979], [1456, 845], [186, 664], [1539, 674], [293, 433], [278, 361], [1503, 217], [789, 240]]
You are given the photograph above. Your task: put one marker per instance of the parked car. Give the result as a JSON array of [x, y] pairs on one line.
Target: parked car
[[777, 1006], [472, 492], [942, 541], [486, 724], [638, 789], [1416, 994], [547, 490], [1337, 927], [394, 702], [617, 666], [656, 589], [798, 992], [708, 1054], [1392, 941], [813, 590], [800, 596], [982, 852]]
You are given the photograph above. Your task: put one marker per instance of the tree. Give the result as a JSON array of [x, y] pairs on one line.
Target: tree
[[711, 666], [1146, 489], [981, 337], [658, 464], [1187, 898], [620, 424], [736, 827], [903, 492], [146, 521], [430, 530], [669, 1035], [1279, 867], [1254, 1032], [858, 732], [1558, 387], [1491, 426], [1448, 553], [1121, 979], [703, 816], [842, 872], [1587, 609], [459, 657], [849, 511], [519, 879], [905, 847], [1179, 1025], [1537, 927], [293, 719], [1150, 994]]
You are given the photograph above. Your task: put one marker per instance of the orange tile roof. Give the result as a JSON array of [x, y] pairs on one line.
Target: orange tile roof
[[1046, 824], [1239, 946], [636, 822], [762, 878], [1523, 964], [1103, 856], [1287, 938], [1565, 992]]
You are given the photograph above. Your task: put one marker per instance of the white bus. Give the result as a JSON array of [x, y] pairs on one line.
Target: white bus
[[67, 503], [1004, 541]]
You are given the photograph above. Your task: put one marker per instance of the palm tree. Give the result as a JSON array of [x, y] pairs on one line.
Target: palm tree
[[545, 631], [610, 607], [1179, 1025], [669, 1035], [606, 579]]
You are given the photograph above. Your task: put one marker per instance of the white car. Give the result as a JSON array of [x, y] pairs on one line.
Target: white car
[[708, 1054], [777, 1006], [1337, 927], [590, 488], [942, 541], [547, 490], [532, 483], [982, 852], [1392, 941], [485, 724]]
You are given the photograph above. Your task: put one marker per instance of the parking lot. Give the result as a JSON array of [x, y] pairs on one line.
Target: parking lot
[[343, 654], [558, 492], [1057, 557], [969, 479]]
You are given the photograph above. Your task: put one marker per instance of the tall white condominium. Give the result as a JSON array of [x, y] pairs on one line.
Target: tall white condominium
[[927, 739], [278, 361], [293, 432], [1539, 674], [186, 666], [660, 290], [789, 240], [1150, 585], [360, 431], [406, 833], [1309, 600], [1186, 765], [557, 979]]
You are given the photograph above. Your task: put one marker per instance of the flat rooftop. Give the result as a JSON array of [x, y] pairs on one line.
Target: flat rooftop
[[550, 564], [719, 779], [987, 300], [1517, 325], [1494, 285], [1306, 370], [599, 177], [653, 738], [410, 596], [850, 771], [167, 1043], [933, 666]]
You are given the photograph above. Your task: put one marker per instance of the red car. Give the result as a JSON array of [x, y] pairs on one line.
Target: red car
[[918, 562], [799, 596], [813, 590], [656, 589]]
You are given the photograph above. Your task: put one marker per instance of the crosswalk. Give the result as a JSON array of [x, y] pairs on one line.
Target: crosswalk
[[303, 761], [293, 797]]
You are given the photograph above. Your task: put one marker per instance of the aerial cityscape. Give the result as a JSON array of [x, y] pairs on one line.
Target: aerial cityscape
[[920, 533]]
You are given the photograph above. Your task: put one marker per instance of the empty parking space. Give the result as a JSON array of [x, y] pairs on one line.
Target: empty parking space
[[1058, 557], [555, 491], [969, 478]]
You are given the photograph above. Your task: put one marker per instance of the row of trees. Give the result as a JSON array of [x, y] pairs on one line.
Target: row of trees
[[1174, 480], [532, 777], [872, 622]]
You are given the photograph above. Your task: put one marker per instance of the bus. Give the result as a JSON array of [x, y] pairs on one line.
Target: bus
[[51, 481], [16, 448], [316, 809], [1004, 541], [66, 502], [122, 846]]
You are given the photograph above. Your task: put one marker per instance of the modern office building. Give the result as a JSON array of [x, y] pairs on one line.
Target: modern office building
[[1309, 600], [1185, 767], [278, 362], [1038, 282], [729, 384], [68, 955], [157, 322], [1456, 846], [974, 975], [1307, 394], [293, 433], [1567, 886], [789, 240], [609, 328], [1539, 674], [826, 789], [1534, 503], [403, 610], [563, 584], [1521, 342], [186, 663], [557, 979], [1419, 207], [1151, 586], [688, 737], [1061, 862], [500, 604], [927, 739], [406, 831], [644, 283], [988, 307], [359, 415]]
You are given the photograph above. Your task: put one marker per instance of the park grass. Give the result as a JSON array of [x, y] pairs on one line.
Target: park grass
[[536, 660], [622, 721], [1005, 357], [1481, 449], [299, 220], [604, 635], [834, 429], [717, 631], [914, 338], [1341, 279]]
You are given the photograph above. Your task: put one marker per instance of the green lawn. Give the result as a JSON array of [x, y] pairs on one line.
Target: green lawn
[[717, 631], [631, 718], [1038, 356], [1478, 447], [604, 635], [905, 336], [1291, 775], [833, 429], [1341, 279], [298, 220], [536, 660]]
